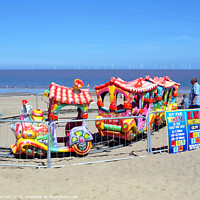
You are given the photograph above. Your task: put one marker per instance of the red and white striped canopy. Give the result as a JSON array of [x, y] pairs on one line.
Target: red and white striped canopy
[[66, 95], [165, 81], [137, 86]]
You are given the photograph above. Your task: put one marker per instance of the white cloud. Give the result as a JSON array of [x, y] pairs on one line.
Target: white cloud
[[189, 39], [183, 16]]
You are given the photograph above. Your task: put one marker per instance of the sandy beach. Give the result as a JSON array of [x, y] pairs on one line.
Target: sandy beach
[[136, 176]]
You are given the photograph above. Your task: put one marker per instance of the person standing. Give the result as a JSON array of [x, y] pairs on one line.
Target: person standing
[[184, 103], [195, 94]]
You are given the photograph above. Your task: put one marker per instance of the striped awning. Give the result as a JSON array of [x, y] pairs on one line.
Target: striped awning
[[66, 95], [137, 86], [165, 81]]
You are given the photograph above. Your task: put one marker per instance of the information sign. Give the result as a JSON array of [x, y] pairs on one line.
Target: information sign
[[177, 131], [193, 124], [183, 128]]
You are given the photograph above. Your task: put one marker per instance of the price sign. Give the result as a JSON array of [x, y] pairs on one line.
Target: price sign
[[177, 131], [183, 127]]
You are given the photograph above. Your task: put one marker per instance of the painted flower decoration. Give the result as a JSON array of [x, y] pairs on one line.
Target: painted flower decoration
[[78, 83]]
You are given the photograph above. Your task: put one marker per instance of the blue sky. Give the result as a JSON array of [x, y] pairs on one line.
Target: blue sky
[[45, 33]]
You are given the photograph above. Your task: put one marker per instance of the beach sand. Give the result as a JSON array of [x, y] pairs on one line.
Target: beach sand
[[139, 176]]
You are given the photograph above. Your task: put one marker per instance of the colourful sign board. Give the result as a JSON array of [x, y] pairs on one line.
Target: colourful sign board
[[193, 124], [183, 130], [177, 131]]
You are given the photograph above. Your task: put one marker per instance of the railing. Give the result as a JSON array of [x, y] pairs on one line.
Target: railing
[[158, 134], [7, 138], [11, 101], [107, 148], [104, 148]]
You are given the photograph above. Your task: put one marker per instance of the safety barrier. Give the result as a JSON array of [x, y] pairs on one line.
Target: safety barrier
[[104, 149], [9, 103], [8, 138], [157, 135]]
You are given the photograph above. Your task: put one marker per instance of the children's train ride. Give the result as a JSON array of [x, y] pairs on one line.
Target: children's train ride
[[115, 99]]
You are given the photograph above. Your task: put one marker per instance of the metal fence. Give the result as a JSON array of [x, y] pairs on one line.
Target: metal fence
[[8, 138], [8, 108], [104, 148], [157, 135]]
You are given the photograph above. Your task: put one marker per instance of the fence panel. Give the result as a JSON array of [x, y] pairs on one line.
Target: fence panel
[[157, 135], [8, 138], [104, 148], [9, 103]]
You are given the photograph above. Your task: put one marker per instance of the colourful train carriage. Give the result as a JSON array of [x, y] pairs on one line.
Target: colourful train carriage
[[165, 97], [136, 98], [32, 137]]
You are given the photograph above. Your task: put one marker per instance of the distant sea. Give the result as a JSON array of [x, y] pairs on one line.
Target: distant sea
[[36, 81]]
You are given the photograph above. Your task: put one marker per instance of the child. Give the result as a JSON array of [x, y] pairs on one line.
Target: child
[[184, 103]]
